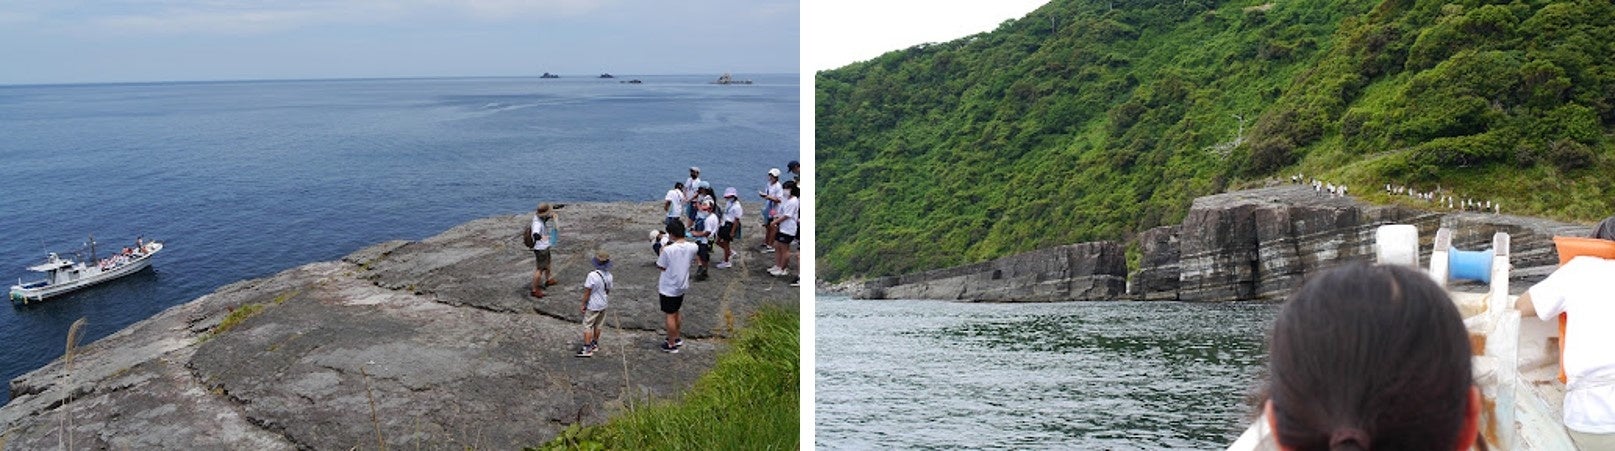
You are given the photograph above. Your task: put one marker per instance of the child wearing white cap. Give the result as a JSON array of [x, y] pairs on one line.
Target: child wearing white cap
[[772, 195]]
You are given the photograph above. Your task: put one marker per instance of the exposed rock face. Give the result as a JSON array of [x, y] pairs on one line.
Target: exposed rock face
[[437, 336], [1077, 272], [1157, 277], [1256, 244], [1260, 244]]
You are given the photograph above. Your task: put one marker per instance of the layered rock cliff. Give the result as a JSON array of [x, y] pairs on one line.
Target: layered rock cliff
[[1260, 244], [1077, 272], [1255, 244], [431, 344]]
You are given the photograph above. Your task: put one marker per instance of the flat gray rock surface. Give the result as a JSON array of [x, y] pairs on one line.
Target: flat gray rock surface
[[431, 344]]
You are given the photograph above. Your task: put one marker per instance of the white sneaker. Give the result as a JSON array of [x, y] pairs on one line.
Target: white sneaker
[[783, 272], [774, 270], [733, 253], [723, 265]]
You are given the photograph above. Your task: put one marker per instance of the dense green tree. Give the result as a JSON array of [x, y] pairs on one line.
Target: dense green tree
[[1091, 120]]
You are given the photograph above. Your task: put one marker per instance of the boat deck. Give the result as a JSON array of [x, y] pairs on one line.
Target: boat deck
[[1539, 396]]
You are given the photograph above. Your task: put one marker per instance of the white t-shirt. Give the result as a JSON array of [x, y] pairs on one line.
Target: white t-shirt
[[789, 211], [543, 241], [1584, 288], [732, 212], [776, 191], [675, 263], [599, 284], [691, 185], [676, 205], [711, 223]]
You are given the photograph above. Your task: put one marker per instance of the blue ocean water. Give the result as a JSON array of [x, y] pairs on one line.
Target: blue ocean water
[[246, 179]]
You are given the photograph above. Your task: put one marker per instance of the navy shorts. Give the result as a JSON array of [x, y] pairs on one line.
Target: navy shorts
[[671, 304], [783, 238], [726, 232]]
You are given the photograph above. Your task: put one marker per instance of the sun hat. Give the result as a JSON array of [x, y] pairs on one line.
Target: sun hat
[[544, 210], [730, 192], [601, 260], [774, 172]]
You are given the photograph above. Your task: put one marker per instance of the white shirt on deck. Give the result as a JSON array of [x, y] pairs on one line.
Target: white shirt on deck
[[675, 263], [1585, 289]]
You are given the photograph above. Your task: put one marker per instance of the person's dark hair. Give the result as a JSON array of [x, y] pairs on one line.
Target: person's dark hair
[[796, 191], [788, 184], [1369, 357], [675, 229], [1605, 230], [678, 185]]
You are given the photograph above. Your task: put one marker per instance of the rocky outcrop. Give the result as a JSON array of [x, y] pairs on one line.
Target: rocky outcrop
[[1261, 243], [1077, 272], [430, 344], [1256, 244]]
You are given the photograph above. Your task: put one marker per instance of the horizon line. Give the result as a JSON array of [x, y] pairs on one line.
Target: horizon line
[[359, 78]]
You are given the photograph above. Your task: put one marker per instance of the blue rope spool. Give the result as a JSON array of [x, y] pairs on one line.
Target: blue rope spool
[[1471, 265]]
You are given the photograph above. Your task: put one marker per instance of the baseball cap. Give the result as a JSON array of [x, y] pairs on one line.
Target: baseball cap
[[774, 172]]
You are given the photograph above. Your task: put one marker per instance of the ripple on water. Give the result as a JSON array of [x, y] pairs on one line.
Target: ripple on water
[[928, 374]]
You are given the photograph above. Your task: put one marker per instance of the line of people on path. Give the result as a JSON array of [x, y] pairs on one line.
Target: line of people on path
[[1437, 197]]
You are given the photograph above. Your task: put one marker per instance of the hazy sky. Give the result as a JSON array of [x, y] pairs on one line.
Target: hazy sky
[[72, 41], [841, 32]]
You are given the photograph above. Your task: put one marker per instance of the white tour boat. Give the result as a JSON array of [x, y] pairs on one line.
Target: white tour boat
[[65, 275]]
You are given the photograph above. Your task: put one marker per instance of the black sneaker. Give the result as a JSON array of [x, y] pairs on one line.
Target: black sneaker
[[587, 351], [670, 349], [678, 342]]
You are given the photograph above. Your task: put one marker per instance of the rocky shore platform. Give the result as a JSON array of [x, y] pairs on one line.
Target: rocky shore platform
[[1255, 244], [409, 344]]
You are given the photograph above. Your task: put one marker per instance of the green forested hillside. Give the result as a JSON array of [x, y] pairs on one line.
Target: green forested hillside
[[1097, 119]]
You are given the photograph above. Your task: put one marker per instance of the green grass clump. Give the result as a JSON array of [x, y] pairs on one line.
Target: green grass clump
[[749, 401], [235, 317]]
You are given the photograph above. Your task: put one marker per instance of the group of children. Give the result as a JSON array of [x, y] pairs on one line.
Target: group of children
[[692, 203], [693, 225]]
